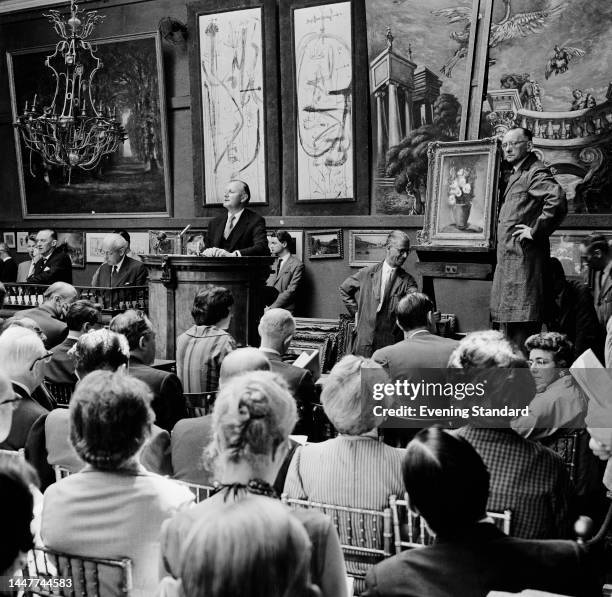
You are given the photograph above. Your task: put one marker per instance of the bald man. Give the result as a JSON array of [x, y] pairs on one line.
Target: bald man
[[119, 269], [51, 314], [242, 360]]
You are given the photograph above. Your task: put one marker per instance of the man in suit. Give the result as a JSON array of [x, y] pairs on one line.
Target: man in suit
[[242, 233], [276, 329], [8, 403], [599, 259], [372, 294], [8, 266], [119, 269], [448, 485], [51, 264], [82, 317], [21, 359], [168, 400], [49, 316], [533, 206], [26, 268], [191, 436], [283, 284]]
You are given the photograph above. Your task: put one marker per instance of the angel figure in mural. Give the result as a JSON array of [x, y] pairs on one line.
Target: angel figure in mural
[[511, 26], [559, 60]]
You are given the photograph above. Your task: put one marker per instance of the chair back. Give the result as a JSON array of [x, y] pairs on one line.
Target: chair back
[[199, 403], [365, 535], [10, 454], [410, 530], [65, 575], [60, 392], [61, 471], [201, 492]]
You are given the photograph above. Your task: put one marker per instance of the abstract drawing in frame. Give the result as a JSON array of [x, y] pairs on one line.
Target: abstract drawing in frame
[[234, 110], [132, 182], [74, 245], [367, 246], [324, 244], [461, 194], [93, 244], [324, 92], [22, 242], [565, 246]]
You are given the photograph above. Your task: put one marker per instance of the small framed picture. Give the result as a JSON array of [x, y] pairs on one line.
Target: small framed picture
[[298, 242], [194, 242], [367, 246], [139, 243], [324, 244], [95, 252], [164, 242], [74, 245], [9, 239], [22, 242]]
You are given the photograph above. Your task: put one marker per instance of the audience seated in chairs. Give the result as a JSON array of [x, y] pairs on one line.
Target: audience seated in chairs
[[252, 419], [16, 508], [526, 478], [82, 317], [168, 401], [201, 349], [276, 329], [114, 507], [191, 436], [21, 359], [448, 485], [354, 469], [250, 548]]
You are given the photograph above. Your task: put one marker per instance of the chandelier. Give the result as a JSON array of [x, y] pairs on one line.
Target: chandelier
[[72, 132]]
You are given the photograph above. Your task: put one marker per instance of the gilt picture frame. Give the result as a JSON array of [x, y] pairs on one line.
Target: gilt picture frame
[[367, 247], [324, 244]]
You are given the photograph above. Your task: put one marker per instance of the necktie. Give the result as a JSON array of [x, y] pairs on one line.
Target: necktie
[[114, 270], [228, 227], [278, 266]]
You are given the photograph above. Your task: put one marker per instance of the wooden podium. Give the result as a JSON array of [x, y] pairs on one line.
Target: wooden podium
[[174, 281]]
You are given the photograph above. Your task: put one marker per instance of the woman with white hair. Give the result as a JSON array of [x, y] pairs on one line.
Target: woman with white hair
[[253, 416]]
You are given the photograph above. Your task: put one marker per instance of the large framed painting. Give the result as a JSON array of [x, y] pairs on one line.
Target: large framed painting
[[134, 181], [461, 194], [232, 59], [325, 140]]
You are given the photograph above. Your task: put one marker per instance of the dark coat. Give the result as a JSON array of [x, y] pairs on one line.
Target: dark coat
[[603, 300], [248, 236], [287, 282], [60, 368], [483, 559], [532, 197], [57, 268], [361, 294], [168, 400], [8, 270], [55, 330], [131, 273], [189, 438]]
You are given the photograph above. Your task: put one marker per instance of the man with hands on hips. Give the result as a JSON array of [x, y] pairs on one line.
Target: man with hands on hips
[[242, 233]]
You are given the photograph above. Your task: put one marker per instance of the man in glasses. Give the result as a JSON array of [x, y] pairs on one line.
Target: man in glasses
[[22, 356], [533, 206]]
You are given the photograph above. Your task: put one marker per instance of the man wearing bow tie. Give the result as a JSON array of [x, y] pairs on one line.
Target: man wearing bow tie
[[119, 269], [242, 233], [51, 264]]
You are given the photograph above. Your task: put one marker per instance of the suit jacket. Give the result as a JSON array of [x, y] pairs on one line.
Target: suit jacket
[[28, 411], [23, 269], [57, 268], [532, 197], [168, 400], [248, 235], [287, 282], [131, 273], [8, 270], [189, 438], [55, 330], [483, 559], [60, 368], [603, 300], [361, 294]]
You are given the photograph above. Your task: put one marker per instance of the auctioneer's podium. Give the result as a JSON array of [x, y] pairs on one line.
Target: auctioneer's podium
[[174, 280]]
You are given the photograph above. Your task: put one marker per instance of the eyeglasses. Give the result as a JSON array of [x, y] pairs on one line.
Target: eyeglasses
[[513, 143], [539, 362], [46, 358]]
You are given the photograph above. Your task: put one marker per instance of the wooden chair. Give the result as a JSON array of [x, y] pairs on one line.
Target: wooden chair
[[66, 575], [61, 472], [199, 403], [410, 530], [60, 392], [365, 535], [201, 492], [567, 446]]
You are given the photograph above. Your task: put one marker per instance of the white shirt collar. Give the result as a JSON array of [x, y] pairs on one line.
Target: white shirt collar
[[270, 350], [411, 334], [236, 215], [118, 265]]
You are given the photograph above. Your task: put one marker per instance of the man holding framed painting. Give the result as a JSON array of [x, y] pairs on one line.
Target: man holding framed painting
[[533, 206]]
